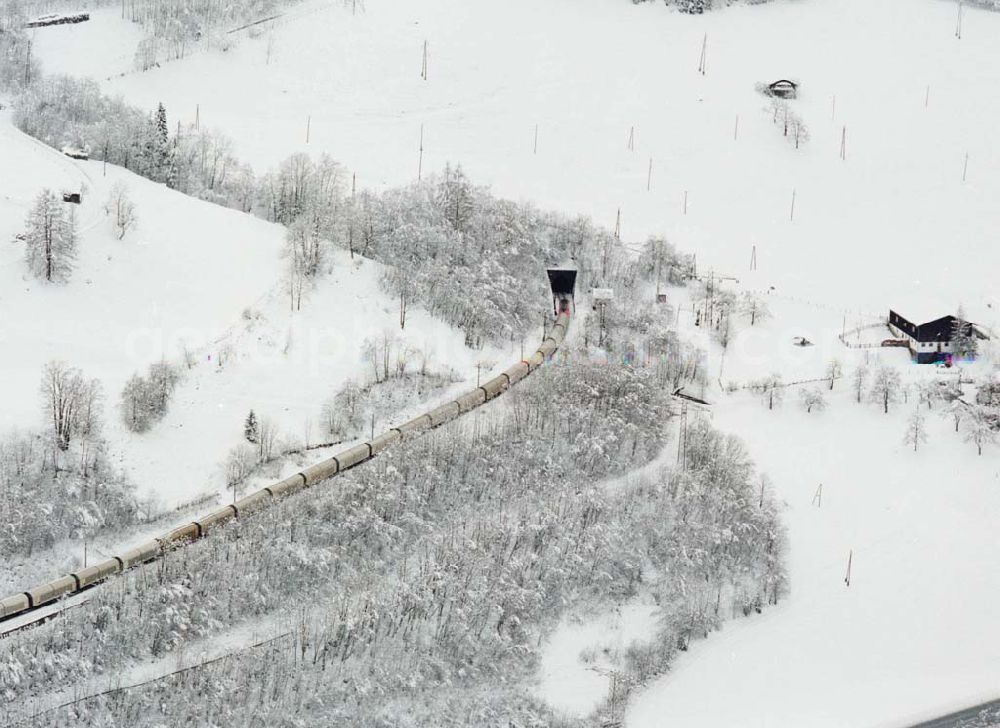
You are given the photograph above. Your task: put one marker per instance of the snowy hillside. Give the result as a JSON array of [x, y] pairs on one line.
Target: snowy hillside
[[196, 284], [913, 636], [891, 225], [600, 107]]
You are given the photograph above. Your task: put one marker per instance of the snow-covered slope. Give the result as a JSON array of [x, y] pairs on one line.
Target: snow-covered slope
[[914, 635], [192, 276], [184, 274], [890, 225]]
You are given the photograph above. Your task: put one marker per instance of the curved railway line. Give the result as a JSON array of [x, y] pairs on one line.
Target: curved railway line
[[73, 583]]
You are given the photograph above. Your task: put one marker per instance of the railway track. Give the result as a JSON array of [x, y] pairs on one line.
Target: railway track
[[30, 602]]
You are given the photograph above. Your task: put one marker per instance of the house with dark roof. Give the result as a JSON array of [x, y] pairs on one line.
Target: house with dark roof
[[933, 341]]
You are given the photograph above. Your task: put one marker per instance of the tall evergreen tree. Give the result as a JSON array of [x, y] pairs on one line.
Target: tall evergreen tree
[[251, 430]]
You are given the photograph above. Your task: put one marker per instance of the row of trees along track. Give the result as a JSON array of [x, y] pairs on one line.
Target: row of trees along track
[[32, 599]]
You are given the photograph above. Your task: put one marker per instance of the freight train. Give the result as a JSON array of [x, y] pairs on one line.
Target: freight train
[[321, 471]]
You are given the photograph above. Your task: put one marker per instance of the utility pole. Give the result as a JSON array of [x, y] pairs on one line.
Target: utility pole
[[423, 68], [27, 66], [682, 440], [420, 164]]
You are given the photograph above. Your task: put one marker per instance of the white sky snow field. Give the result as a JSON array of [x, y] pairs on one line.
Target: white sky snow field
[[892, 225]]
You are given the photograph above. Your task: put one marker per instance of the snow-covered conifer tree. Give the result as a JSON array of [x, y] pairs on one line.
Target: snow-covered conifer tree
[[250, 428]]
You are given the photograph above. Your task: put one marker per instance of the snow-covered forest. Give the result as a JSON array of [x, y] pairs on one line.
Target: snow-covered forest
[[242, 238], [438, 566]]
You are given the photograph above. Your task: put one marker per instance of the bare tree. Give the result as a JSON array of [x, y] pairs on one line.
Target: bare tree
[[812, 398], [267, 439], [916, 429], [834, 371], [754, 307], [50, 239], [978, 428], [859, 381], [885, 387], [70, 403], [121, 210]]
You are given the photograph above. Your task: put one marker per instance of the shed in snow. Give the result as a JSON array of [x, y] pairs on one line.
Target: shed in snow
[[784, 89]]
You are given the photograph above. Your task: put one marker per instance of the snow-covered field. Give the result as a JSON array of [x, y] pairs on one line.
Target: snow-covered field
[[892, 225], [915, 634], [183, 280]]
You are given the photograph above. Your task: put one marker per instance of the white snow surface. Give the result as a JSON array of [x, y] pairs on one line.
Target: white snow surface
[[892, 225], [184, 278], [915, 634]]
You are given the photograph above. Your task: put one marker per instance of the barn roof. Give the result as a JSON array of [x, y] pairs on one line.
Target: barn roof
[[940, 329]]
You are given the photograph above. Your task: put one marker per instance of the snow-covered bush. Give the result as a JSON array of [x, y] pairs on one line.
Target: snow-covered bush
[[145, 400], [50, 495]]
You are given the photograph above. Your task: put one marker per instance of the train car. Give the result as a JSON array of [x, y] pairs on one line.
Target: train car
[[216, 518], [96, 573], [471, 400], [357, 454], [444, 413], [150, 550], [53, 590], [417, 424], [323, 470], [383, 441], [496, 386], [517, 372], [187, 532], [14, 605], [253, 502], [288, 486], [140, 554]]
